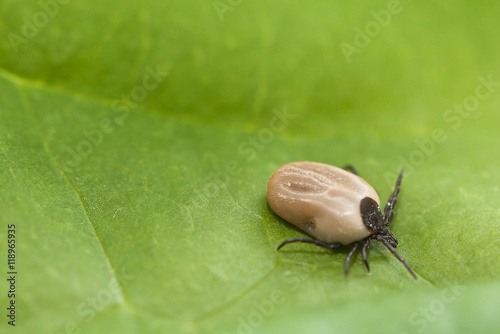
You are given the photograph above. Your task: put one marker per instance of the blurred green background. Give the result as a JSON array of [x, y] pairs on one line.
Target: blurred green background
[[137, 139]]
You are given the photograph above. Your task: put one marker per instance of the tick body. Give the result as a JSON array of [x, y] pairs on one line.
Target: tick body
[[333, 205]]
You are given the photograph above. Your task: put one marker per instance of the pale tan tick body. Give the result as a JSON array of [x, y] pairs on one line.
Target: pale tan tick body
[[334, 206]]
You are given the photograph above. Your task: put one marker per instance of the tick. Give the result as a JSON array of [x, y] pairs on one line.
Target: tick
[[335, 206]]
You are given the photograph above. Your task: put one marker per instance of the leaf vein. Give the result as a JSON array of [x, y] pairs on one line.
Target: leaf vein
[[30, 110]]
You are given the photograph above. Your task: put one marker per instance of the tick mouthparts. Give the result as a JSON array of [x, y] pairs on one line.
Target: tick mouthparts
[[389, 236], [392, 238], [392, 241]]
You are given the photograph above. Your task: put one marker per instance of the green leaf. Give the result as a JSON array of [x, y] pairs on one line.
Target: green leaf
[[137, 139]]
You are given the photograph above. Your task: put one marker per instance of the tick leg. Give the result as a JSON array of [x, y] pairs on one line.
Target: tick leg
[[391, 203], [326, 245], [396, 254], [363, 254], [351, 169], [349, 257]]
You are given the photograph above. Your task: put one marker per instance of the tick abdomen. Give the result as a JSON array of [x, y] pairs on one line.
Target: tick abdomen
[[322, 200]]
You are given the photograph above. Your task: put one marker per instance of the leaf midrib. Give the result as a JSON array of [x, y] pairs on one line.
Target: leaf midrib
[[29, 109]]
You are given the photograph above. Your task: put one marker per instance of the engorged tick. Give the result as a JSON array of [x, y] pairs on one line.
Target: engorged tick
[[333, 205]]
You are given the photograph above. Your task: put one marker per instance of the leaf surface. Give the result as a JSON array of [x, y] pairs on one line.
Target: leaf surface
[[137, 139]]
